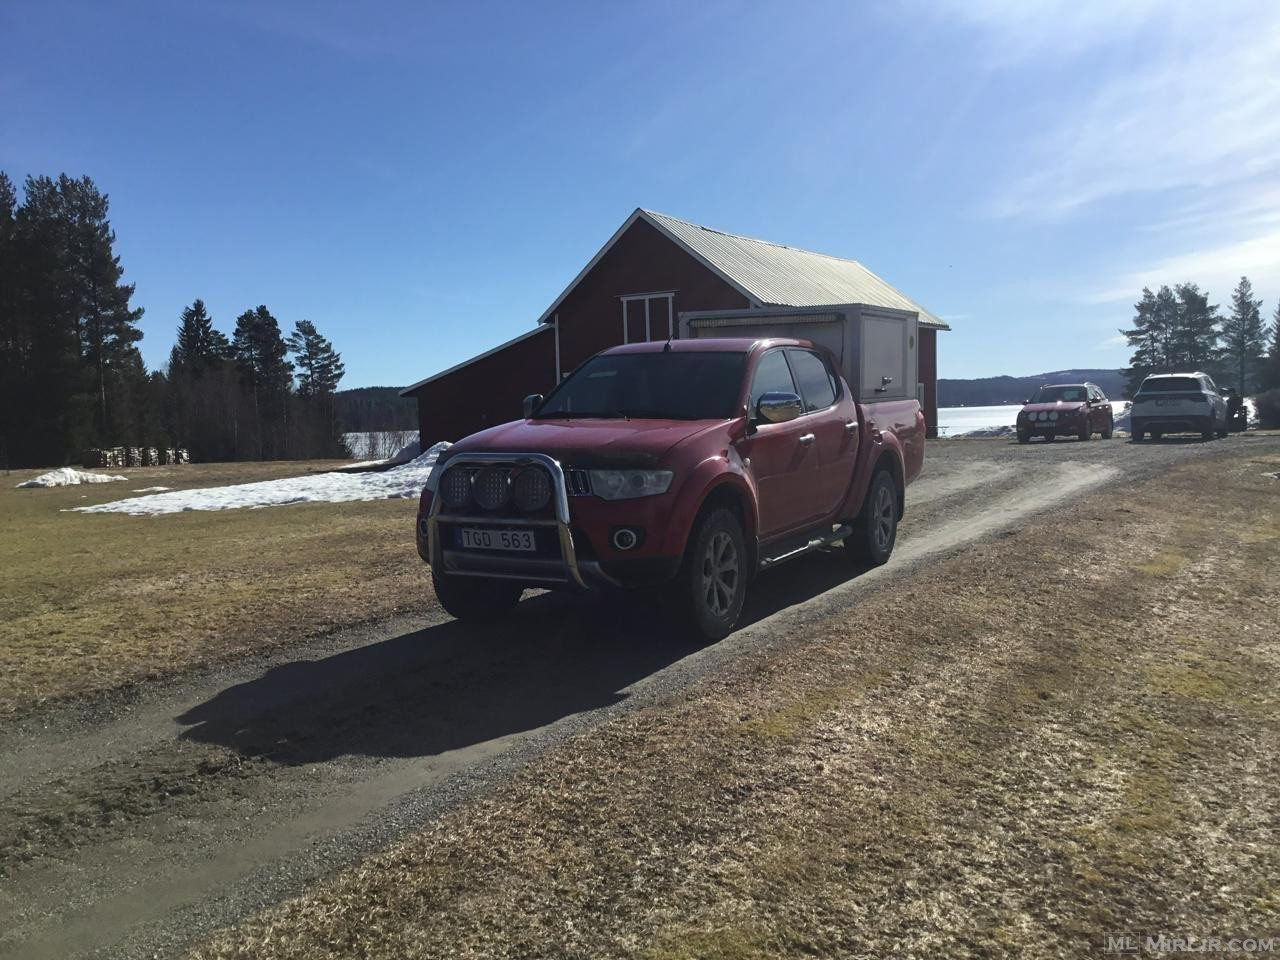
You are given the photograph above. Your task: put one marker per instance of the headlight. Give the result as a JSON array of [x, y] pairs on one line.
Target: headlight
[[627, 484], [1053, 415]]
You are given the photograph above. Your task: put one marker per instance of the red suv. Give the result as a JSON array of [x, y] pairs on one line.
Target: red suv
[[1066, 409], [690, 465]]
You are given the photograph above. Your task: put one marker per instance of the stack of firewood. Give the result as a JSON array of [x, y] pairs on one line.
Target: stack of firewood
[[134, 456]]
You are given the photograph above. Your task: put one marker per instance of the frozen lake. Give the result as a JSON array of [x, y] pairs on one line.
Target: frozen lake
[[953, 421]]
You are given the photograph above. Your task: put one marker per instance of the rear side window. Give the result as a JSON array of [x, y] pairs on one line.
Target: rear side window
[[772, 376], [813, 378]]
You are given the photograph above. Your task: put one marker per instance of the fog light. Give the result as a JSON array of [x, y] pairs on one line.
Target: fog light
[[492, 487], [455, 487], [624, 538], [531, 489]]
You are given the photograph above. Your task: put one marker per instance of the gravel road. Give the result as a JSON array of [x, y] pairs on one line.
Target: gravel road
[[132, 825]]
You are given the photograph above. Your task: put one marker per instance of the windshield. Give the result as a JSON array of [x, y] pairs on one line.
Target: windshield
[[1171, 385], [1061, 395], [652, 386]]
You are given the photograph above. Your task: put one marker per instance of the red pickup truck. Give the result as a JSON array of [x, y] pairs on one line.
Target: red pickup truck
[[691, 465]]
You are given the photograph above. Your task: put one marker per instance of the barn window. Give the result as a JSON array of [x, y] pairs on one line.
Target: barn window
[[648, 316]]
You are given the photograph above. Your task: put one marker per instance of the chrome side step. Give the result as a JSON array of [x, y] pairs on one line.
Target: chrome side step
[[839, 533]]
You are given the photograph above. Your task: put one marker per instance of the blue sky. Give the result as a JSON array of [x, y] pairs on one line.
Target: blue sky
[[422, 180]]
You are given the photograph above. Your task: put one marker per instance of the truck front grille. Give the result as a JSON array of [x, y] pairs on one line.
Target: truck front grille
[[578, 483]]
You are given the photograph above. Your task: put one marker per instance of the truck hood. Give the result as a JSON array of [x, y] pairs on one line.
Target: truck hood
[[588, 442], [1062, 407]]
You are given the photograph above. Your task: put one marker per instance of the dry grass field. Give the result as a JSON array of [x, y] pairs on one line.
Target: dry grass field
[[94, 602], [1067, 732]]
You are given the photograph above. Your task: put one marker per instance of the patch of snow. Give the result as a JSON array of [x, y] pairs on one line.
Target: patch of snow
[[403, 455], [400, 482], [380, 446], [68, 477], [1001, 431], [151, 489]]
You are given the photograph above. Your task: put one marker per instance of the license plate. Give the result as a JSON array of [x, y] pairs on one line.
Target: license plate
[[477, 539], [1170, 402]]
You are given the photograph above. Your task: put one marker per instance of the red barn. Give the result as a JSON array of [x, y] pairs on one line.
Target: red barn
[[651, 269]]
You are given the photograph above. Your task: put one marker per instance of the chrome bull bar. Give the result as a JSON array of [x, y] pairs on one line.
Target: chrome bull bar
[[538, 570]]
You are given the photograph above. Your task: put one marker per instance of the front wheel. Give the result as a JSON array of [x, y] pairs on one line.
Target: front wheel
[[1108, 433], [711, 586], [876, 529], [1086, 432], [1208, 430], [475, 598], [1024, 436]]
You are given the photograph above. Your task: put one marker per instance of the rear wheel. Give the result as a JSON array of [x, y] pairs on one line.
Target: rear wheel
[[1208, 430], [1108, 433], [1139, 435], [876, 529], [1157, 435], [475, 598], [711, 586]]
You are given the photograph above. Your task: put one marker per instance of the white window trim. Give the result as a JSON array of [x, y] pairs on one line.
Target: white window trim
[[668, 295]]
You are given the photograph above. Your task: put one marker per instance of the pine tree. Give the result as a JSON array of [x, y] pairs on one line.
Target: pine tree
[[199, 345], [260, 354], [1147, 342], [10, 361], [108, 324], [1270, 374], [50, 417], [1194, 343], [1244, 337], [319, 366]]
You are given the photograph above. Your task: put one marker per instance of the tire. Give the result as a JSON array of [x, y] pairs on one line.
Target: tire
[[711, 585], [1110, 432], [1139, 434], [875, 531], [1086, 432], [475, 599], [1157, 435], [1208, 430], [1050, 437], [1024, 437]]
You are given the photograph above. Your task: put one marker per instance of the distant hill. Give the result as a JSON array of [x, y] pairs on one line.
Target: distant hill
[[367, 409], [988, 391]]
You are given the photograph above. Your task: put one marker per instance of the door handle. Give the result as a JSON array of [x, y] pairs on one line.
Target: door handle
[[850, 426], [806, 439]]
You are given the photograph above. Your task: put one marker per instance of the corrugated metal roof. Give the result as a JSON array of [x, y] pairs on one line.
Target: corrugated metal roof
[[776, 275]]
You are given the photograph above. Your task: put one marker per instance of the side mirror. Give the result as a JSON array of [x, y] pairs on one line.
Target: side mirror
[[779, 407], [531, 403]]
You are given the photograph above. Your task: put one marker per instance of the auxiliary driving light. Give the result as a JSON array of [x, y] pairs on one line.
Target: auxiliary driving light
[[455, 487], [531, 489], [492, 487]]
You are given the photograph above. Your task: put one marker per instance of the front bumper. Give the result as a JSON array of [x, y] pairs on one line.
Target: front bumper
[[564, 555], [1061, 425]]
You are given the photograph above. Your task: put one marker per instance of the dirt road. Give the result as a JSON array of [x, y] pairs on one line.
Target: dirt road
[[134, 828]]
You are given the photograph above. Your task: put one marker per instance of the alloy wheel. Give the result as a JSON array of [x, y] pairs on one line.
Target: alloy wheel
[[882, 517], [720, 573]]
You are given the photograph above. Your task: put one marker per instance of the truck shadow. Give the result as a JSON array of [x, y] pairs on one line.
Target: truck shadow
[[453, 685]]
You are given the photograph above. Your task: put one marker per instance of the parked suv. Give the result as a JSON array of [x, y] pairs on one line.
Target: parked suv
[[1075, 409], [1178, 403], [690, 466]]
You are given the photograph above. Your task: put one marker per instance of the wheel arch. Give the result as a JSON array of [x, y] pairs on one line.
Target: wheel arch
[[890, 461], [727, 494]]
